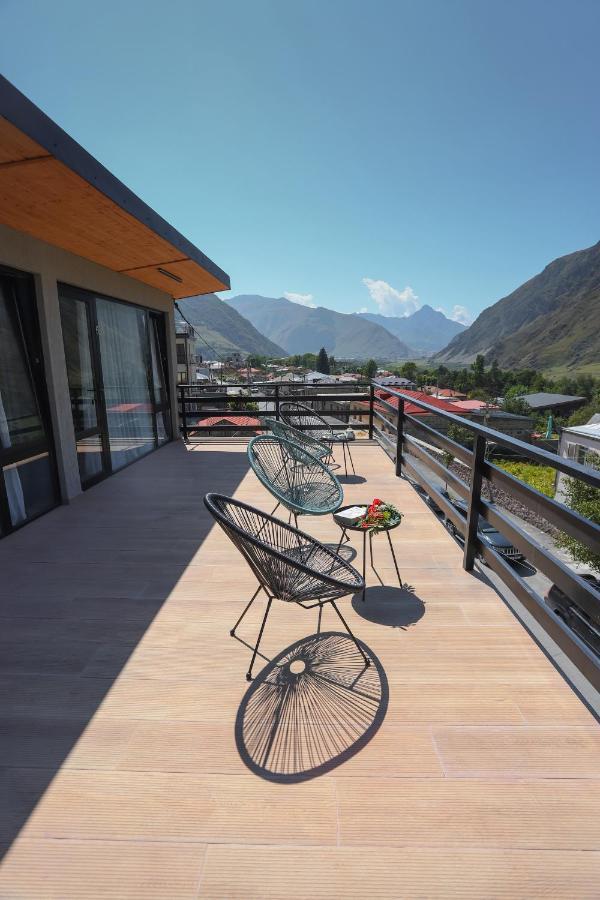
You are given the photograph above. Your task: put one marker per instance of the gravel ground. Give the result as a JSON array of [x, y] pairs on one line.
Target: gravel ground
[[505, 501]]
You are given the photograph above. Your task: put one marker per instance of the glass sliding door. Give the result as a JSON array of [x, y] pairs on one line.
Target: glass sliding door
[[84, 380], [116, 360], [28, 484], [125, 356]]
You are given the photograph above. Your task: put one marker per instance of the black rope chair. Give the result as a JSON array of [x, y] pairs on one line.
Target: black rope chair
[[290, 565], [303, 418], [297, 479]]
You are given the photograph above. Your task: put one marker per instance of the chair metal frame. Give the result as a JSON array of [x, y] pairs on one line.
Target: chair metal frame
[[289, 564], [301, 416], [298, 480], [303, 439]]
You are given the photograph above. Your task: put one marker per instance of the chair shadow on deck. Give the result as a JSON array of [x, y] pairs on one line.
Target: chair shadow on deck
[[392, 606], [311, 709]]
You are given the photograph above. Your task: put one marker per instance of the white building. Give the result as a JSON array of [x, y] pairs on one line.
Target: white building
[[580, 443]]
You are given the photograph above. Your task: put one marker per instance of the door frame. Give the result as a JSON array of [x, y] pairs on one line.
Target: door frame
[[89, 297], [31, 341]]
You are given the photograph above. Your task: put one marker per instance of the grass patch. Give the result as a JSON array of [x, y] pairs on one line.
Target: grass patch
[[539, 477]]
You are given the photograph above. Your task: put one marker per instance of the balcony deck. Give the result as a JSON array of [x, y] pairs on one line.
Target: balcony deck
[[120, 685]]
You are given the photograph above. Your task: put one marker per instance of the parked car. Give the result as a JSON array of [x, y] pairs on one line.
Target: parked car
[[486, 532], [577, 620]]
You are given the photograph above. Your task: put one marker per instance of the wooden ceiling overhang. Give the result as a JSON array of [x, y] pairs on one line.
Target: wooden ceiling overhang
[[52, 189]]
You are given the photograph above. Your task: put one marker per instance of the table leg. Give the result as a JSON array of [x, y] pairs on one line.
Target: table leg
[[344, 535], [372, 563], [351, 461], [364, 564], [345, 462], [394, 558]]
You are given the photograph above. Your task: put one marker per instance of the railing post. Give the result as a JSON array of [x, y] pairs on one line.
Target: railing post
[[184, 428], [399, 436], [371, 401], [474, 503], [277, 402]]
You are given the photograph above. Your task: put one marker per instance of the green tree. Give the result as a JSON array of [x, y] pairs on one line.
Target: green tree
[[582, 415], [332, 365], [370, 369], [478, 368], [322, 364], [461, 435], [512, 403], [494, 378], [585, 500], [409, 370], [256, 361]]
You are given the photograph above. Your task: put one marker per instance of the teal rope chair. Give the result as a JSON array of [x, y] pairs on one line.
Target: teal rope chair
[[303, 439], [303, 417], [297, 479]]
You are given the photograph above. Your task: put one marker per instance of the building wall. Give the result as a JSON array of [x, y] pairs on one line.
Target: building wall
[[50, 265], [577, 448]]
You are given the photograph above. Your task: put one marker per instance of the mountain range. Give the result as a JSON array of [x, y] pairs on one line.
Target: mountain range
[[302, 329], [426, 330], [551, 321], [223, 328]]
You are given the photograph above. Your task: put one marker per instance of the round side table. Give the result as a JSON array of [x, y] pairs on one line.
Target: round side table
[[346, 527]]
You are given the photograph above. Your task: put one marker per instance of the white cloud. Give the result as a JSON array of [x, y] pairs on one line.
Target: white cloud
[[363, 309], [301, 299], [461, 314], [389, 300]]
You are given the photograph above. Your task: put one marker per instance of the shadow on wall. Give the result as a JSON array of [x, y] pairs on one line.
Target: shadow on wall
[[78, 589], [312, 708]]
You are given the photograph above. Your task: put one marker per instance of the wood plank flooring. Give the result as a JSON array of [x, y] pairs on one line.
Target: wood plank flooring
[[120, 685]]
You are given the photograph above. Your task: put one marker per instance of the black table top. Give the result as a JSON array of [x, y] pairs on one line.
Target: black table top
[[358, 526]]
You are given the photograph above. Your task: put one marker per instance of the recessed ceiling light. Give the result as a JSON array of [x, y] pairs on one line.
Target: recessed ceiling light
[[170, 275]]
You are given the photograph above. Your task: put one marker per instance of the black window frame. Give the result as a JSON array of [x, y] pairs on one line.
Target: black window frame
[[27, 321], [89, 296]]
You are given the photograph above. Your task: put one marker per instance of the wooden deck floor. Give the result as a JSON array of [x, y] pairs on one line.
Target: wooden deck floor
[[120, 685]]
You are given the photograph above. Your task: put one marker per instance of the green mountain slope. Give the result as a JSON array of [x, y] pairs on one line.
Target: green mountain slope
[[302, 330], [550, 322], [426, 330], [224, 328]]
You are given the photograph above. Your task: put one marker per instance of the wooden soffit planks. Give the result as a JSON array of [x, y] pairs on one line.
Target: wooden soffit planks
[[43, 197]]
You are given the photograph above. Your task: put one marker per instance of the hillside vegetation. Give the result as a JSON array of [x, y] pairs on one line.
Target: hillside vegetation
[[551, 323], [224, 328]]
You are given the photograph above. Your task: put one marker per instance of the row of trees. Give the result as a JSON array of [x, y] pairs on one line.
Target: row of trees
[[498, 382], [327, 365]]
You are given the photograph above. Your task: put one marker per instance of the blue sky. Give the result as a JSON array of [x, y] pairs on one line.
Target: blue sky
[[354, 155]]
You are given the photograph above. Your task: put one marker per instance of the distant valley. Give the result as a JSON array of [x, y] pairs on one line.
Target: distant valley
[[552, 323], [426, 330], [300, 329]]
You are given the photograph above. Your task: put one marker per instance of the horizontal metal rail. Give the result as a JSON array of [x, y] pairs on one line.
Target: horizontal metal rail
[[586, 598], [568, 467]]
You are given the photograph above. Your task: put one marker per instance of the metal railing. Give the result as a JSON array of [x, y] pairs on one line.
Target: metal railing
[[390, 430], [391, 427], [198, 402]]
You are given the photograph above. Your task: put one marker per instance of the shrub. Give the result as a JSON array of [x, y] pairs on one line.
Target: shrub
[[585, 500], [539, 477]]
